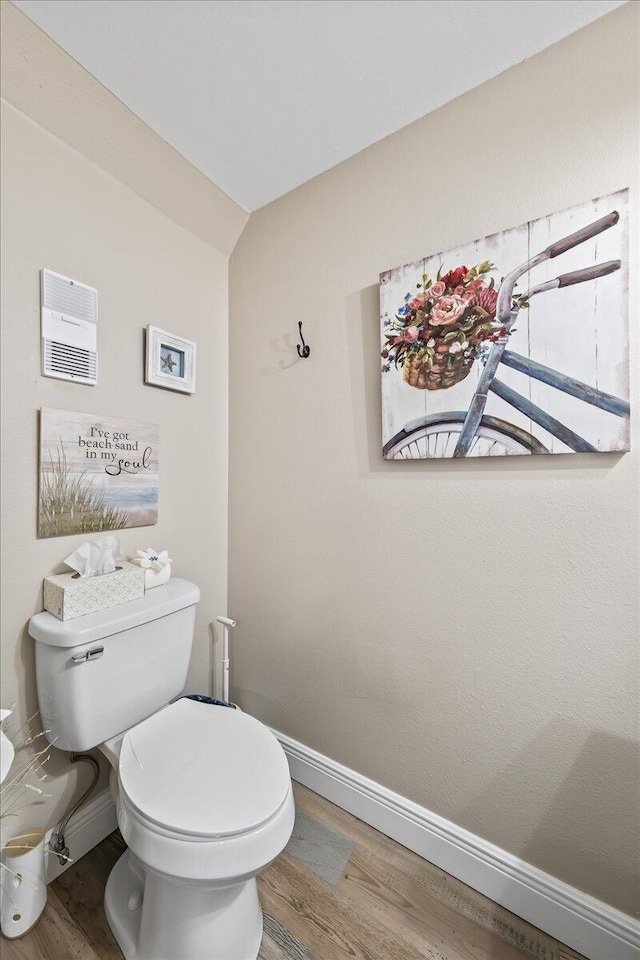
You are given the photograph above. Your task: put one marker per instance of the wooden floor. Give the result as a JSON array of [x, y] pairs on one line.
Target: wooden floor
[[388, 904]]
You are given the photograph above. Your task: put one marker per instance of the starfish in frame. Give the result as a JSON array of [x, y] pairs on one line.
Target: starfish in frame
[[169, 363]]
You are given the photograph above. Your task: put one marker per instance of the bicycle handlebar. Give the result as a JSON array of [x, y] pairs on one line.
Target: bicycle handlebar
[[592, 230], [507, 313], [589, 273]]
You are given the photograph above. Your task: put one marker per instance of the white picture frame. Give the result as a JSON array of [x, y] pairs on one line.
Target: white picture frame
[[170, 361]]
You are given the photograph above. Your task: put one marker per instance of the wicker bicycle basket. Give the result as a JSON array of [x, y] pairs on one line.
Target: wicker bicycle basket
[[445, 369]]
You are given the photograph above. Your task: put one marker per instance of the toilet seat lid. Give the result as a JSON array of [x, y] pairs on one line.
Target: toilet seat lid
[[203, 770]]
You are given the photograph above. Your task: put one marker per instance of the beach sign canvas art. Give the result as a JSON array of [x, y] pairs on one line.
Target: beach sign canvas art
[[514, 344], [96, 473]]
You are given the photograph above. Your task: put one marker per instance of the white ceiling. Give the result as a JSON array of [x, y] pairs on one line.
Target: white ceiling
[[262, 95]]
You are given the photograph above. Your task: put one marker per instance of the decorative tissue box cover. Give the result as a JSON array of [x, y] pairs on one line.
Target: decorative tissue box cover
[[67, 596]]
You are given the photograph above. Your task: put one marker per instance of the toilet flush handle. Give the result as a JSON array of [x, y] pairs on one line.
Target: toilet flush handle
[[86, 655]]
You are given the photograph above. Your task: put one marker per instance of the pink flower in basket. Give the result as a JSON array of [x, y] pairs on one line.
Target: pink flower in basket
[[411, 334], [468, 293], [447, 310], [436, 290], [486, 299]]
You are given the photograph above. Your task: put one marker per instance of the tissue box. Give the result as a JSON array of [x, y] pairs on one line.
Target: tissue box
[[68, 595]]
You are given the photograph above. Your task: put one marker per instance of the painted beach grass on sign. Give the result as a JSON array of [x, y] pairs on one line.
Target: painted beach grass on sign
[[550, 354], [96, 473]]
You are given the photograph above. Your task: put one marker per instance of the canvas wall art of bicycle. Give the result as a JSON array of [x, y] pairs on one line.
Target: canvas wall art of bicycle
[[514, 344]]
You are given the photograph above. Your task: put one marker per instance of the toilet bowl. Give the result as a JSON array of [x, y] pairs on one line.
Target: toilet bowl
[[204, 803]]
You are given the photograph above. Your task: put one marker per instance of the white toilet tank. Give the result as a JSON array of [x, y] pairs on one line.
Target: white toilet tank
[[99, 675]]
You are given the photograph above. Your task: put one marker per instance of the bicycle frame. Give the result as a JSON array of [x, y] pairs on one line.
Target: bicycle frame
[[507, 315]]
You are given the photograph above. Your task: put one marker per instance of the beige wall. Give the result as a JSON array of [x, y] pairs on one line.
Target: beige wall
[[464, 632], [63, 212]]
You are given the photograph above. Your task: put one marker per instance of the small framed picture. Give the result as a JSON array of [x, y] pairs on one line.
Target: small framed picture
[[170, 361]]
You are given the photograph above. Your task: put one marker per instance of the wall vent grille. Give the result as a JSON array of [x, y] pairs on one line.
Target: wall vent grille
[[69, 296], [76, 363], [69, 329]]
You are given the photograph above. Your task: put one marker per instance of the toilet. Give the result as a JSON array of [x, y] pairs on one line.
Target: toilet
[[203, 793]]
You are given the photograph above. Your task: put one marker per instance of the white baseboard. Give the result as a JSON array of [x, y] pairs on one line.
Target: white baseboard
[[583, 923], [91, 824]]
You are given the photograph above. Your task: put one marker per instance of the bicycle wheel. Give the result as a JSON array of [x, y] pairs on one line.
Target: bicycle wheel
[[436, 436]]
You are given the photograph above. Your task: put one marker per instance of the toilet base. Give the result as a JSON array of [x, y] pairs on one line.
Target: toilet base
[[124, 883], [152, 916]]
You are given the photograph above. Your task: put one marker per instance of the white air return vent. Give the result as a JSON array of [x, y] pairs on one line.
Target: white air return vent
[[69, 329]]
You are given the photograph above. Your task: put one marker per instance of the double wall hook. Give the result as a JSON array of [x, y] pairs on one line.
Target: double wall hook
[[305, 349]]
